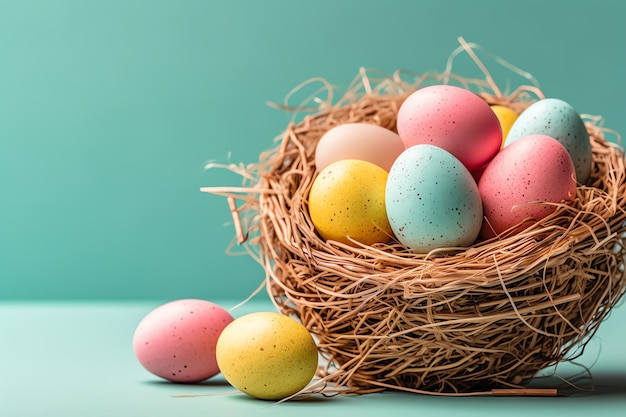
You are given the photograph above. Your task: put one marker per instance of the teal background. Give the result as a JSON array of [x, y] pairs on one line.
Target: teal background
[[109, 111]]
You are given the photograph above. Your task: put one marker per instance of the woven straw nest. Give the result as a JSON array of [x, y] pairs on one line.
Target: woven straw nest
[[488, 316]]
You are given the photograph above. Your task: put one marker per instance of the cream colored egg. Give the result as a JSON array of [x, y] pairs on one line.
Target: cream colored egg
[[363, 141], [347, 203], [267, 355]]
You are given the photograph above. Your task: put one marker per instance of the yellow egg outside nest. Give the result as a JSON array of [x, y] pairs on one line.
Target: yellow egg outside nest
[[506, 116], [267, 355], [347, 203]]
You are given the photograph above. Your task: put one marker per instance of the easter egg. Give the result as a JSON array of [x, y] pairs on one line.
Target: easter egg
[[432, 200], [267, 355], [347, 203], [506, 117], [177, 340], [362, 141], [454, 119], [519, 184], [559, 120]]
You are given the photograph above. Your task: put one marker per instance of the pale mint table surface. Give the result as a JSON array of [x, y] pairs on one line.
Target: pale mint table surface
[[76, 359]]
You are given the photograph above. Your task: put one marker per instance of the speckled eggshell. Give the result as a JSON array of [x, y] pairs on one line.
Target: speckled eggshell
[[177, 340], [363, 141], [347, 203], [267, 355], [559, 120], [432, 200], [535, 168], [454, 119]]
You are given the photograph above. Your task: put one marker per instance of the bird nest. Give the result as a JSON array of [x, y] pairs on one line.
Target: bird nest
[[458, 320]]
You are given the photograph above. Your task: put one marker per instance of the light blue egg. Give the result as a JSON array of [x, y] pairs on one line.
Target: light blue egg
[[558, 119], [432, 200]]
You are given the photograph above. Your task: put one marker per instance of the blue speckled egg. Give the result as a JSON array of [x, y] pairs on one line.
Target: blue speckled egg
[[432, 200], [557, 119]]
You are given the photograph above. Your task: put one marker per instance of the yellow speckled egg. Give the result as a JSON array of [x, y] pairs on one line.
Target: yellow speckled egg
[[347, 203], [267, 355], [506, 116]]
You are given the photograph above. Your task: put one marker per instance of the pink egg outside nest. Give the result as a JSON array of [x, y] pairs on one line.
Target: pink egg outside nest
[[177, 340], [454, 119]]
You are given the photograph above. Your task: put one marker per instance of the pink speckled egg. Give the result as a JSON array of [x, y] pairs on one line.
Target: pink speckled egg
[[177, 340], [454, 119], [533, 170]]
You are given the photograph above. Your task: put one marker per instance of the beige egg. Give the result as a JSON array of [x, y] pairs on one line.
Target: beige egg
[[267, 355], [362, 141]]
